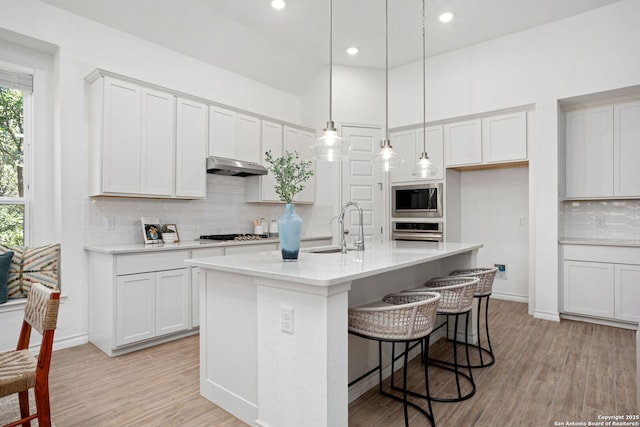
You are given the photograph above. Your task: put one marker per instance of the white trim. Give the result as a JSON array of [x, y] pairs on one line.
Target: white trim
[[71, 341], [599, 321], [554, 317], [510, 297], [18, 304]]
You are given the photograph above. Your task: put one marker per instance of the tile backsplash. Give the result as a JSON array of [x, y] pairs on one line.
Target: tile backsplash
[[600, 219], [223, 211]]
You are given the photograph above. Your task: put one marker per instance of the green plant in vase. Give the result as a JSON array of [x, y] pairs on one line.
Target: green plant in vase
[[290, 173]]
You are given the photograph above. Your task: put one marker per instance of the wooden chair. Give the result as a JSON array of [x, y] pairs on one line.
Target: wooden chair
[[19, 369]]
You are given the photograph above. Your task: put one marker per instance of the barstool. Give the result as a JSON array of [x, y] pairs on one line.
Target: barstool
[[483, 291], [457, 299], [399, 318]]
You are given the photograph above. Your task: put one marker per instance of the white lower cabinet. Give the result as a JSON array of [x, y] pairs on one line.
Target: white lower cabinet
[[135, 308], [601, 282], [137, 300], [588, 288], [152, 304], [627, 292]]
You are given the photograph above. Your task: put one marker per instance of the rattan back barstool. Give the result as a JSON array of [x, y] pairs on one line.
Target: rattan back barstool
[[483, 291], [457, 300], [399, 318]]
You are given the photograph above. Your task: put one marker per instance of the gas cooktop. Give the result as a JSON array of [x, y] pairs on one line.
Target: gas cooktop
[[233, 237]]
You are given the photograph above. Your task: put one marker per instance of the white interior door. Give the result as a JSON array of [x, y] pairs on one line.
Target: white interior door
[[362, 185]]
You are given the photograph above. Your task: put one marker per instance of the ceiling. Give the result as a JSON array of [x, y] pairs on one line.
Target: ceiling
[[287, 48]]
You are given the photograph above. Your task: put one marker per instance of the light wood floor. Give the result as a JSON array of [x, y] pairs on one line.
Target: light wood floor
[[545, 372]]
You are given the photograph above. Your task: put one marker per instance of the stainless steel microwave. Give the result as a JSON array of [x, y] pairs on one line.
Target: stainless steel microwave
[[416, 201]]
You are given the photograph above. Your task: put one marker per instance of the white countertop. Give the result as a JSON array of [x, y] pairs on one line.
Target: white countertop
[[184, 245], [333, 268], [599, 242]]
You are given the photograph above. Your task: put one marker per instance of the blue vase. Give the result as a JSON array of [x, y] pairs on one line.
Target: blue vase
[[290, 232]]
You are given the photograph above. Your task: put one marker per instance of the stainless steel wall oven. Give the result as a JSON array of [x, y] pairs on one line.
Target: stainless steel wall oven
[[420, 231]]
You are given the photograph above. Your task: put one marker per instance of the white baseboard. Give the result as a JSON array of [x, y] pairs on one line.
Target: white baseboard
[[71, 341], [598, 321], [554, 317], [510, 297]]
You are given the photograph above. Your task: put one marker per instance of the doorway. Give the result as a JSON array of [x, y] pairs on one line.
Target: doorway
[[361, 184]]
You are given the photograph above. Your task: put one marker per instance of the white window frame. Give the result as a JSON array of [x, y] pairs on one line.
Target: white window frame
[[27, 107]]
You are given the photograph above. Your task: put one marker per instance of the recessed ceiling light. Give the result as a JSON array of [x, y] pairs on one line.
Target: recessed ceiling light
[[278, 4], [352, 51], [446, 17]]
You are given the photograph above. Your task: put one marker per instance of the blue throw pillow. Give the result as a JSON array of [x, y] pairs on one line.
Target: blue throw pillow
[[5, 262]]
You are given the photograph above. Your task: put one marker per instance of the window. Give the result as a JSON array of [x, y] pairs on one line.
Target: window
[[15, 93]]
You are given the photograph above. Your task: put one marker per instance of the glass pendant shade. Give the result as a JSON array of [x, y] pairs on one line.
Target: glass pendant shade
[[387, 160], [330, 147], [424, 168]]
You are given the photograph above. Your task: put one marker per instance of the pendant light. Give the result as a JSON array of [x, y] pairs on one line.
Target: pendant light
[[386, 160], [330, 146], [425, 167]]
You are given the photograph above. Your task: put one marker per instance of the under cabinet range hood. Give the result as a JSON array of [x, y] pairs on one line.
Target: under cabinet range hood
[[221, 166]]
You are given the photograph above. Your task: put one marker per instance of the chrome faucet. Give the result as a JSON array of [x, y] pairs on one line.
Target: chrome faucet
[[360, 242]]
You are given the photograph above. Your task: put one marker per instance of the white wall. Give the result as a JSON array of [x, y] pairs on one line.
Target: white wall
[[358, 99], [592, 52], [491, 203], [79, 46]]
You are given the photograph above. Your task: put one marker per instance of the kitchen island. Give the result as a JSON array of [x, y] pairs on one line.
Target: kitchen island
[[274, 346]]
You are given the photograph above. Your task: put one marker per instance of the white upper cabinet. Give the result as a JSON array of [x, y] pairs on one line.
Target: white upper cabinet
[[504, 137], [141, 144], [626, 149], [486, 141], [157, 143], [116, 119], [222, 132], [589, 152], [248, 142], [191, 149], [262, 188], [301, 141], [463, 143], [410, 144], [233, 135], [403, 143], [278, 139], [602, 151]]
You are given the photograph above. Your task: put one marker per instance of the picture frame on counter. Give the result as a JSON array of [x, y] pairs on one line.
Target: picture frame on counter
[[151, 230], [167, 231]]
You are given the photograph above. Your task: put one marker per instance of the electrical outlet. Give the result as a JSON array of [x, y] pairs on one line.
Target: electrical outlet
[[521, 221], [502, 271], [286, 320], [109, 222]]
